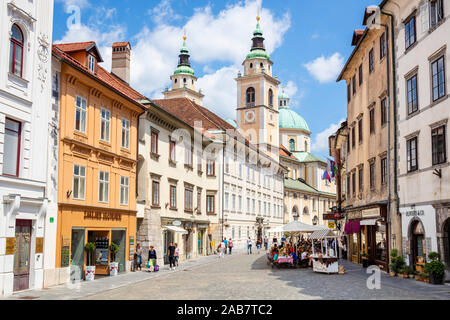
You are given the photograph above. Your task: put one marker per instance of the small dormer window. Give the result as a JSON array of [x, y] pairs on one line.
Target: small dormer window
[[91, 63], [176, 80], [251, 65]]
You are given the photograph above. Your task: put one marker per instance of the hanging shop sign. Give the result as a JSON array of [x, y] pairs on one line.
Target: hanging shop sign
[[131, 246], [202, 226], [176, 223], [39, 245], [10, 245]]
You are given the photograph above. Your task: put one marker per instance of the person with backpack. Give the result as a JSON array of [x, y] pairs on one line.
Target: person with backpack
[[151, 263], [171, 254], [230, 245]]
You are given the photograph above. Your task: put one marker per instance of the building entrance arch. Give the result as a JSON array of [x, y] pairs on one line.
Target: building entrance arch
[[417, 241]]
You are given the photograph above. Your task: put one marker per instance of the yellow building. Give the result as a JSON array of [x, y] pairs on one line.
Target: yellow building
[[97, 159]]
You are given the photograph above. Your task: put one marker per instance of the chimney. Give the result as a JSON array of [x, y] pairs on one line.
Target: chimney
[[121, 55]]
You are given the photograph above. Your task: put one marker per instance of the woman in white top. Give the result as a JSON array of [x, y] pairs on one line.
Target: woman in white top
[[221, 249]]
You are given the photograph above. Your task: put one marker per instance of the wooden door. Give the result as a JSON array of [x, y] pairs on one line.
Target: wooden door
[[22, 255]]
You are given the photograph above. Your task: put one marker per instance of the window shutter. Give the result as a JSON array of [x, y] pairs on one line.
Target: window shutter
[[424, 16]]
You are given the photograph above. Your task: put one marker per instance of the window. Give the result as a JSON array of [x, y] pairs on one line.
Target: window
[[349, 96], [383, 112], [233, 202], [354, 84], [103, 187], [353, 137], [155, 193], [188, 156], [79, 180], [125, 133], [371, 60], [210, 204], [360, 75], [436, 12], [253, 206], [383, 170], [259, 206], [105, 120], [80, 114], [411, 86], [306, 146], [173, 197], [410, 32], [438, 74], [188, 199], [250, 97], [361, 179], [372, 120], [360, 130], [172, 150], [91, 63], [226, 200], [411, 150], [270, 98], [354, 183], [348, 144], [11, 148], [154, 142], [124, 186], [199, 202], [348, 186], [227, 165], [383, 46], [240, 203], [55, 86], [372, 175], [248, 206], [199, 161], [240, 170], [16, 51], [292, 145], [438, 145], [210, 168]]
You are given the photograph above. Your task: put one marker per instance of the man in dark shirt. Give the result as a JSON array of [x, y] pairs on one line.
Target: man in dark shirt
[[171, 253]]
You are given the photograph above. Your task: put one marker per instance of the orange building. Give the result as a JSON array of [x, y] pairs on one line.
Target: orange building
[[97, 159]]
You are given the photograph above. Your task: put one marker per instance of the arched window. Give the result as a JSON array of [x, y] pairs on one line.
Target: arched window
[[250, 96], [16, 52], [270, 98], [305, 210], [315, 221], [292, 145], [295, 213]]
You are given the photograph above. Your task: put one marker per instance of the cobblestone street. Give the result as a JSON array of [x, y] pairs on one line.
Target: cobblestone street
[[249, 277]]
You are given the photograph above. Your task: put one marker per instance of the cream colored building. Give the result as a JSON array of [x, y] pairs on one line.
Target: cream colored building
[[422, 57]]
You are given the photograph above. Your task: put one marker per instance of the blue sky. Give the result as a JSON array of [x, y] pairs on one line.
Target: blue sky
[[309, 42]]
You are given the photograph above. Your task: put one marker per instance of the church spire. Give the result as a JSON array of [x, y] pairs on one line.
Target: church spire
[[184, 65], [258, 49]]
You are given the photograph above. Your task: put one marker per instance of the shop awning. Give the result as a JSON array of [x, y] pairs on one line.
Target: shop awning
[[176, 229], [321, 234], [368, 222], [297, 226]]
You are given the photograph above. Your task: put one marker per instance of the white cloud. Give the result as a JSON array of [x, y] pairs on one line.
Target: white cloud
[[291, 89], [163, 12], [320, 143], [220, 90], [325, 69]]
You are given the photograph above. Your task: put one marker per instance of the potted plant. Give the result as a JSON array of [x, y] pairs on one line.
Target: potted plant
[[435, 268], [113, 265], [89, 271], [396, 263], [426, 277], [411, 272], [365, 260], [403, 272]]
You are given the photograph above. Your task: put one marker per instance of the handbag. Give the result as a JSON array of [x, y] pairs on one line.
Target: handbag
[[148, 264]]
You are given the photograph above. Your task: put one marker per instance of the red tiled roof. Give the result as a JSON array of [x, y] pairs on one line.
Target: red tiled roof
[[101, 75], [121, 44], [73, 47], [285, 153], [357, 34]]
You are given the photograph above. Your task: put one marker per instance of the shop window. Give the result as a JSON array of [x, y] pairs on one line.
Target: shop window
[[125, 133], [381, 242], [79, 182], [124, 186], [80, 114], [11, 148], [105, 124], [16, 51]]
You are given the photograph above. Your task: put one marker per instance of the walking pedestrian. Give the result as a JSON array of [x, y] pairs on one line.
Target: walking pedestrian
[[138, 257], [230, 245], [226, 245], [151, 258], [258, 245], [177, 254], [221, 249], [249, 246], [171, 253], [274, 240], [266, 243]]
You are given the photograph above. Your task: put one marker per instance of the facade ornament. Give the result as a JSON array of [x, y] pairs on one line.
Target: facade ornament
[[43, 50]]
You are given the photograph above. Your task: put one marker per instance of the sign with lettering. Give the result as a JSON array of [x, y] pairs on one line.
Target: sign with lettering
[[10, 245], [371, 213], [39, 245], [415, 213], [97, 215], [354, 215]]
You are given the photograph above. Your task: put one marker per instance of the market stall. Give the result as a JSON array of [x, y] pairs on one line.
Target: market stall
[[325, 260]]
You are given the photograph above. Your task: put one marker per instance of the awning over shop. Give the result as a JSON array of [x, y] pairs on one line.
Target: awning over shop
[[176, 229], [321, 234], [368, 222]]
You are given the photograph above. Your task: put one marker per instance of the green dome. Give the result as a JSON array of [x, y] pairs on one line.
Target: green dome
[[258, 53], [290, 119], [283, 95], [184, 70]]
